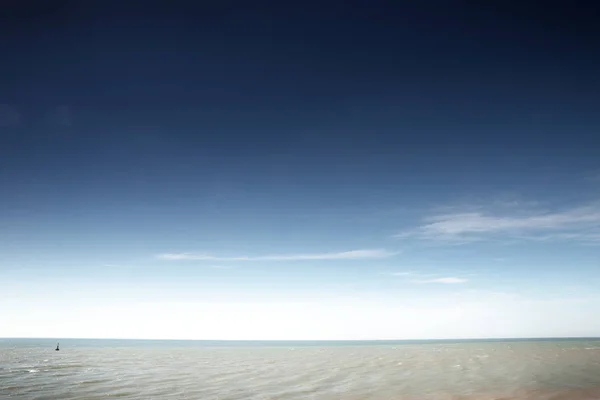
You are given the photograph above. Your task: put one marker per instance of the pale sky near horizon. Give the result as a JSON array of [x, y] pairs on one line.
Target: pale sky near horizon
[[320, 173]]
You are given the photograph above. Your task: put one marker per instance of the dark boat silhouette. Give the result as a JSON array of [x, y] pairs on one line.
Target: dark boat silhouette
[[57, 348]]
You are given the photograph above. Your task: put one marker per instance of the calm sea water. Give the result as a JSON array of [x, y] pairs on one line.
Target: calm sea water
[[128, 369]]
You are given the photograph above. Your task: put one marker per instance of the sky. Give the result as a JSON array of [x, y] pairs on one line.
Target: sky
[[331, 170]]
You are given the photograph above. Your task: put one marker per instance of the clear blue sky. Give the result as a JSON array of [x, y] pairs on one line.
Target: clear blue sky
[[318, 173]]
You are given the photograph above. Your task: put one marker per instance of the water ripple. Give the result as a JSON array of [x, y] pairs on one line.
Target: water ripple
[[531, 370]]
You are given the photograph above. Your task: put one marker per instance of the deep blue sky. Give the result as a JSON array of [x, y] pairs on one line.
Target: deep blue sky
[[204, 153]]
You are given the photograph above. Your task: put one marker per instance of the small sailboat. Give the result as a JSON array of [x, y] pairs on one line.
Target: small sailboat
[[57, 348]]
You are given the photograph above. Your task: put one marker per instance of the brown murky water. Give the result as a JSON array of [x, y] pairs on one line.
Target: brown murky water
[[478, 370]]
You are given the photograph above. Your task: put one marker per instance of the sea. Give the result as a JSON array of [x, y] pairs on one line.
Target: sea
[[210, 370]]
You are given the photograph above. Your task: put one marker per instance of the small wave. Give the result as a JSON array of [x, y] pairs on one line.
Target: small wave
[[66, 366], [537, 372]]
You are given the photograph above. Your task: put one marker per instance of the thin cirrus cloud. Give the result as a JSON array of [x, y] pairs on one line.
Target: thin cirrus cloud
[[445, 280], [407, 273], [344, 255], [578, 224], [414, 277]]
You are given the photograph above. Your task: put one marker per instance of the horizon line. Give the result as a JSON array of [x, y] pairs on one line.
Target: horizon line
[[528, 338]]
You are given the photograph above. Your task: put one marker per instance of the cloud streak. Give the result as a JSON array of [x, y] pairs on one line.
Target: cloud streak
[[450, 280], [414, 277], [409, 273], [344, 255], [580, 223]]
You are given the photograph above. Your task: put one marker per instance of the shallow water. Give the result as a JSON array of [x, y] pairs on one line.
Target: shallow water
[[31, 369]]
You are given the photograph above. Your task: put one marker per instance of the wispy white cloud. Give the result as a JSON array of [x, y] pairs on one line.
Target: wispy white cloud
[[445, 280], [344, 255], [579, 223], [415, 277], [407, 273]]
